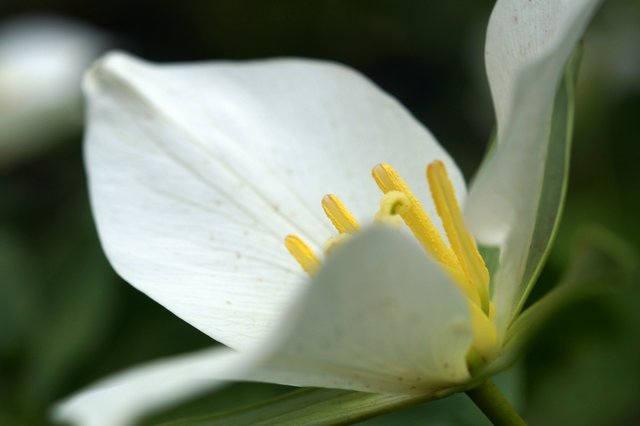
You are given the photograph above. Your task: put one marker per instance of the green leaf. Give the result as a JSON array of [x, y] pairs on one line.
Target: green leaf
[[601, 263], [308, 406], [75, 320], [584, 360], [80, 294], [332, 406], [601, 258], [19, 292]]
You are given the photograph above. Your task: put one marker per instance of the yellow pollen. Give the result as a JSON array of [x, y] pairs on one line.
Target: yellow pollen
[[459, 237], [415, 217], [341, 218], [302, 253]]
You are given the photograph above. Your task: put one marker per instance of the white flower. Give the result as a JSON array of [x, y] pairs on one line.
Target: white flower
[[41, 63], [198, 173]]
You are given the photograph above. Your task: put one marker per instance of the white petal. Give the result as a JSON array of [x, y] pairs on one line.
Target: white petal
[[198, 172], [528, 44], [42, 59], [127, 396], [380, 317]]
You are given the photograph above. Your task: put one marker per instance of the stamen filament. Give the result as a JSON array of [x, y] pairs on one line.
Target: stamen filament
[[302, 253], [415, 217], [485, 345], [461, 240], [341, 218], [460, 279]]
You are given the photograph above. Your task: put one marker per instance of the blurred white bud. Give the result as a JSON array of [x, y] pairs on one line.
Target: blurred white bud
[[42, 59]]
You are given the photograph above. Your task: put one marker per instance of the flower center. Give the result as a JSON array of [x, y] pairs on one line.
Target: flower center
[[461, 259]]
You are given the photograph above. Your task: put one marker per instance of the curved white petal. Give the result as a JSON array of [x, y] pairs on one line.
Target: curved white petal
[[42, 59], [528, 44], [380, 317], [198, 172], [125, 397]]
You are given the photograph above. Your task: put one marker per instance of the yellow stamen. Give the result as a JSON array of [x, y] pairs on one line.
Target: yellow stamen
[[467, 288], [302, 253], [393, 203], [461, 240], [485, 344], [415, 217], [341, 218], [462, 261]]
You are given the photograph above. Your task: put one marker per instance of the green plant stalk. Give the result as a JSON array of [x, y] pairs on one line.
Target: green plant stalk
[[494, 405]]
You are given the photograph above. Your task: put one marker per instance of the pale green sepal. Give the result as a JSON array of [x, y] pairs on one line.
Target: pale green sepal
[[556, 177], [554, 186], [525, 75], [310, 406]]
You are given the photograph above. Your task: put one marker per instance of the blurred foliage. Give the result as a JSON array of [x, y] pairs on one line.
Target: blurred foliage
[[66, 320]]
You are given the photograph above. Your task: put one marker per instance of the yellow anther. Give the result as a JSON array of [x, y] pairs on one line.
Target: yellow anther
[[415, 217], [461, 262], [393, 204], [341, 218], [461, 240], [302, 253]]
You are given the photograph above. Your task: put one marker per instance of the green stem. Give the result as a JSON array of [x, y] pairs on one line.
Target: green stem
[[494, 405]]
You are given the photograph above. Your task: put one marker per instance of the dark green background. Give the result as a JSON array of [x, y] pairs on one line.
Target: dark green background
[[67, 320]]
